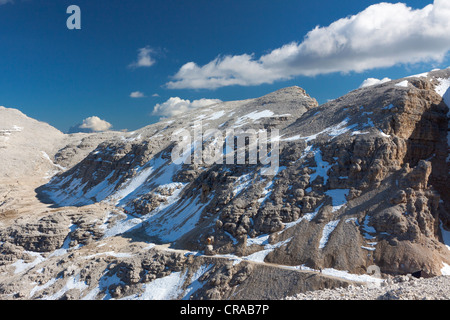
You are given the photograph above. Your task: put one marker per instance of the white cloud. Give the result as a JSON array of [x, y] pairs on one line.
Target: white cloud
[[373, 81], [155, 95], [144, 58], [383, 35], [176, 106], [137, 94], [95, 124]]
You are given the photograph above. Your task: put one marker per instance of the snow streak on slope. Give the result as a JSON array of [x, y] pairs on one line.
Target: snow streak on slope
[[52, 173], [73, 282], [114, 191], [6, 133], [307, 216], [403, 84], [321, 168], [338, 197], [254, 116], [133, 184], [333, 132], [155, 173], [443, 89], [195, 283], [166, 288], [327, 230], [176, 220]]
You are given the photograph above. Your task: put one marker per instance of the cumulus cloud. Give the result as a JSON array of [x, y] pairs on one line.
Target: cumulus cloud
[[382, 35], [176, 106], [373, 81], [95, 124], [144, 58], [91, 124], [137, 94]]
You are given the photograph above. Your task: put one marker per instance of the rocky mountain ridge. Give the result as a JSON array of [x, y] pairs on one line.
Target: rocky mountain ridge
[[361, 181]]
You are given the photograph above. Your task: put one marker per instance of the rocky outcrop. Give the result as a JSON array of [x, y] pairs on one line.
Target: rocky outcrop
[[390, 144], [47, 235]]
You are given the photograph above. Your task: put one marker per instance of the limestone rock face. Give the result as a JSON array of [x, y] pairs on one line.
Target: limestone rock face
[[360, 182], [46, 235]]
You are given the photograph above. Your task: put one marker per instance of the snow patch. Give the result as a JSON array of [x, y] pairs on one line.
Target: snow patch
[[367, 229], [353, 277], [268, 248], [445, 271], [266, 192], [73, 282], [257, 256], [327, 230], [307, 216], [195, 283], [216, 115], [403, 84], [175, 220], [241, 183], [321, 168], [260, 240], [255, 115], [6, 133], [333, 132], [420, 75], [110, 253], [383, 134], [166, 288], [46, 285], [22, 266], [338, 198], [343, 274], [133, 184], [373, 81]]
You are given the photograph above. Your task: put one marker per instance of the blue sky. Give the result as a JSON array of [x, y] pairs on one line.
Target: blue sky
[[204, 49]]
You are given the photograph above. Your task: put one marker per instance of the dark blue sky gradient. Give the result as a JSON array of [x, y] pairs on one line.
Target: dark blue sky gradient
[[62, 76]]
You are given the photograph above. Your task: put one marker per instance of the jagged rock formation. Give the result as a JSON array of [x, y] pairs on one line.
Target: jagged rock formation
[[361, 181]]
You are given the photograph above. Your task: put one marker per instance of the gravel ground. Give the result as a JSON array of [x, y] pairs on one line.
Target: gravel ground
[[398, 288]]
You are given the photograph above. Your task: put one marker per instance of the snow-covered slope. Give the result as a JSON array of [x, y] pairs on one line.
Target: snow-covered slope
[[28, 147], [331, 157], [24, 143], [136, 173], [360, 185]]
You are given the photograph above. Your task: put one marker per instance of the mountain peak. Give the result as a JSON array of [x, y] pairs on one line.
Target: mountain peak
[[290, 98], [293, 91]]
